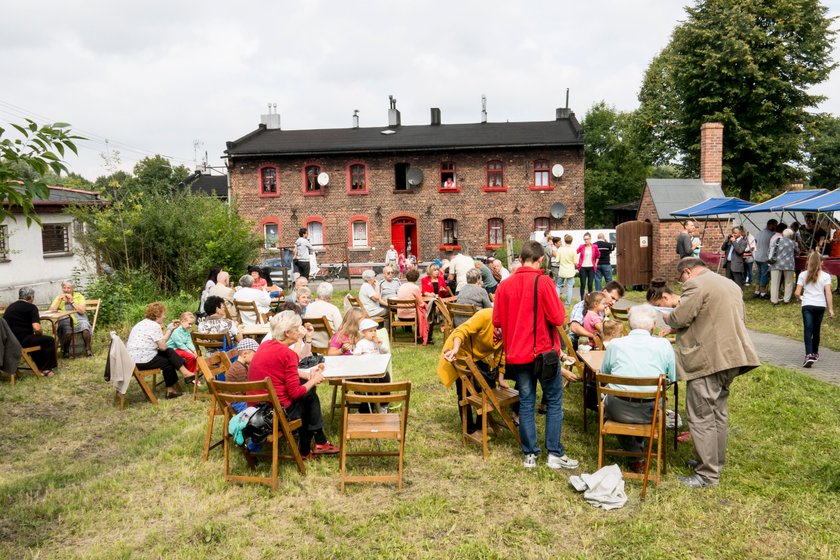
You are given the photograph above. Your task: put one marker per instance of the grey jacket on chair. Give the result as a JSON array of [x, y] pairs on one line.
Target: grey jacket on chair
[[10, 349]]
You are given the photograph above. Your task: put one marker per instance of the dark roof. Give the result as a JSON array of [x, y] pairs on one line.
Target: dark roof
[[61, 196], [211, 185], [561, 132], [670, 195]]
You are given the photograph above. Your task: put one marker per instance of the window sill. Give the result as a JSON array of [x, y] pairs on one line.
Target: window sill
[[452, 190], [449, 247], [352, 192], [494, 189], [533, 188], [313, 193], [405, 191], [359, 249], [490, 247], [269, 195], [57, 255]]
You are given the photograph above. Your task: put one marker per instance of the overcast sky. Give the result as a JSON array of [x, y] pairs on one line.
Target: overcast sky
[[154, 76]]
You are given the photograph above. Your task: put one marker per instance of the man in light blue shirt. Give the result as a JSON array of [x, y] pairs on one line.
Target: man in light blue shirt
[[639, 354]]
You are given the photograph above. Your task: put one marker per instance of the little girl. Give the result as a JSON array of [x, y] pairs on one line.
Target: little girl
[[593, 321], [369, 343], [181, 341], [612, 329]]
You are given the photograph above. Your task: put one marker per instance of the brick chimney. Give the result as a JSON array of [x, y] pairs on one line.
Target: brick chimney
[[711, 153]]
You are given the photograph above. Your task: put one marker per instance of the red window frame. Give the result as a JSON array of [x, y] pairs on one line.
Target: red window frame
[[317, 189], [270, 220], [542, 224], [495, 168], [261, 176], [495, 241], [354, 219], [449, 232], [542, 176], [350, 177], [448, 170], [316, 220]]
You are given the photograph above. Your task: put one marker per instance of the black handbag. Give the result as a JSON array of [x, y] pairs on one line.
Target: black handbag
[[546, 364], [260, 424]]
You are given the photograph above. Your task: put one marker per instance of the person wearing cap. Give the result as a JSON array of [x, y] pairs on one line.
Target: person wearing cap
[[238, 371], [369, 343]]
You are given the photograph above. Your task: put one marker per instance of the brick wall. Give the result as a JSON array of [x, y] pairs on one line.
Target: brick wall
[[711, 152], [471, 207]]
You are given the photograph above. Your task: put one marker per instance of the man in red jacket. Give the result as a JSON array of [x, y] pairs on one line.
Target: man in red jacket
[[514, 312]]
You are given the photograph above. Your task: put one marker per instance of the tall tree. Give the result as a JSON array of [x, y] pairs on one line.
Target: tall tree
[[824, 153], [615, 168], [748, 64], [26, 159]]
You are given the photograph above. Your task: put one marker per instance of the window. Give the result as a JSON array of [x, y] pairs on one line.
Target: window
[[495, 175], [357, 178], [450, 232], [401, 176], [541, 180], [316, 232], [360, 233], [447, 175], [271, 234], [541, 224], [55, 238], [310, 179], [268, 181], [495, 231], [4, 243]]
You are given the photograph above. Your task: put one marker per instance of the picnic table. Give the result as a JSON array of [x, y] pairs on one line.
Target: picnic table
[[255, 331], [54, 317]]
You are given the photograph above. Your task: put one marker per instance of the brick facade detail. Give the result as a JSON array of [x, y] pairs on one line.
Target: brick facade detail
[[472, 205]]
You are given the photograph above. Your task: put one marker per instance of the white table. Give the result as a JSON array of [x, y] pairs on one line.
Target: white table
[[356, 367]]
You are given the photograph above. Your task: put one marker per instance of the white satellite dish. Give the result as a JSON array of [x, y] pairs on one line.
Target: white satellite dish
[[414, 176], [323, 179], [557, 170]]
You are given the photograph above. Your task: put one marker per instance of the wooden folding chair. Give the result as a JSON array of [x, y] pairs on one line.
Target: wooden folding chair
[[227, 393], [140, 375], [447, 325], [209, 344], [477, 393], [620, 314], [373, 426], [26, 356], [321, 325], [354, 302], [395, 321], [462, 311], [249, 307], [654, 432], [210, 368]]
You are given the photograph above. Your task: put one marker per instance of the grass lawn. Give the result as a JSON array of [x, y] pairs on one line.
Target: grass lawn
[[81, 479]]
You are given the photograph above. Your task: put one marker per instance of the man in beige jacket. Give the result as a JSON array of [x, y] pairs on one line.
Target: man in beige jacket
[[713, 347]]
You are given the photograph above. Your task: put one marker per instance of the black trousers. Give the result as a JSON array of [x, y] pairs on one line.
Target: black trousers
[[308, 409], [169, 362], [303, 268], [45, 357]]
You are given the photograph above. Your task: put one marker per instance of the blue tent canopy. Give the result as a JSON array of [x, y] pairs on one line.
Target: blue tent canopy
[[828, 202], [713, 207], [783, 201]]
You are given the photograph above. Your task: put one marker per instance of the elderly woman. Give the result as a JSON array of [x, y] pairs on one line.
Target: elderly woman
[[223, 290], [277, 362], [370, 296], [639, 354], [433, 283], [71, 300], [216, 322], [782, 252], [323, 307], [247, 293], [473, 293], [25, 322], [147, 348]]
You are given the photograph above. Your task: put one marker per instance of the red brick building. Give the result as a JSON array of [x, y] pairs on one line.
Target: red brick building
[[427, 189], [663, 196]]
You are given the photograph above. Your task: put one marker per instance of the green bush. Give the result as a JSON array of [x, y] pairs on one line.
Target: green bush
[[501, 252]]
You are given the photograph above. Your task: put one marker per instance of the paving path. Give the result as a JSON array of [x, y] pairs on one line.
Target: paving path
[[788, 353]]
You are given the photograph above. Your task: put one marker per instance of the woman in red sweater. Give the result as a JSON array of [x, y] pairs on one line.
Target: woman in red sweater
[[276, 361]]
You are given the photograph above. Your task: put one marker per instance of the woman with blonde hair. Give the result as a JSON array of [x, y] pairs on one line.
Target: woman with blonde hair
[[813, 288], [347, 335]]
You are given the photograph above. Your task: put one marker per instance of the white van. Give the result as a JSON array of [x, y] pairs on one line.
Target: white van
[[577, 236]]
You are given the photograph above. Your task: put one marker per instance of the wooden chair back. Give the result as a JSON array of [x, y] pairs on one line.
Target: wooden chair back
[[598, 342], [395, 321], [321, 325], [212, 367], [92, 306], [26, 356], [460, 312], [249, 309], [148, 390], [373, 426], [447, 326], [652, 388], [478, 394], [209, 343], [354, 302], [227, 393]]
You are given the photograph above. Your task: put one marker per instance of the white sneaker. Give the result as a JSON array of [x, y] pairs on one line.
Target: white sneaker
[[564, 462], [530, 461]]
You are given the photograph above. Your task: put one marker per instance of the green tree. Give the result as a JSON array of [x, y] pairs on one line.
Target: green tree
[[25, 160], [748, 64], [824, 153], [615, 168]]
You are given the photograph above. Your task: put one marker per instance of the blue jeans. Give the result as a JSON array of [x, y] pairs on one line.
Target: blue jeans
[[567, 284], [526, 383], [603, 271], [763, 273], [812, 317], [748, 272]]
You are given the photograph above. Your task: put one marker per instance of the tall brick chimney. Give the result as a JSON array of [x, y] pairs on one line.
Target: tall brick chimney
[[711, 152]]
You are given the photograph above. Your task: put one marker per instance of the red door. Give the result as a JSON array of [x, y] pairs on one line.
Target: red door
[[404, 236]]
